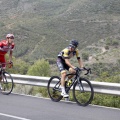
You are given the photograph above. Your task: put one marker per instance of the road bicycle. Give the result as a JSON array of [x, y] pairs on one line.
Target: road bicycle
[[82, 89], [6, 81]]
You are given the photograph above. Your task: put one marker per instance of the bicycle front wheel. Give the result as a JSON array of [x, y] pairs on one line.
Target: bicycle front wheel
[[83, 92], [6, 83], [54, 89]]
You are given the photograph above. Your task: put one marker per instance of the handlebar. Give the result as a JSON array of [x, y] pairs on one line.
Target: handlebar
[[88, 70], [7, 63], [84, 69]]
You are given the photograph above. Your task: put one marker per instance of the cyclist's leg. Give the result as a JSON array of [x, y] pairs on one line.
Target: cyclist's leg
[[61, 66], [2, 60], [0, 76], [0, 81], [72, 71], [63, 76]]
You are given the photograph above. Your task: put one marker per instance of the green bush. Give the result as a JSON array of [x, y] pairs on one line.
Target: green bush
[[39, 68], [115, 43], [107, 47], [106, 100], [85, 56], [19, 66]]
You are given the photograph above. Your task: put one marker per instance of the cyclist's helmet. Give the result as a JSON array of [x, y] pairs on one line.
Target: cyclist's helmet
[[10, 36], [74, 43]]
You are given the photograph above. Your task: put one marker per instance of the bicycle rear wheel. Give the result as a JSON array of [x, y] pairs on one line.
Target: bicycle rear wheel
[[6, 83], [83, 92], [54, 89]]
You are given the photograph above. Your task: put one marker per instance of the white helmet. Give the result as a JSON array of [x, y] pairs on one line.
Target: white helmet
[[10, 36]]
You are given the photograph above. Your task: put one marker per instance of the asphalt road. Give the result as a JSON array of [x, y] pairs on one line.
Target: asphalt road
[[19, 107]]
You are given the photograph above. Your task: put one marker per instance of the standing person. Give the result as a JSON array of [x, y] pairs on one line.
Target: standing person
[[63, 63], [5, 47]]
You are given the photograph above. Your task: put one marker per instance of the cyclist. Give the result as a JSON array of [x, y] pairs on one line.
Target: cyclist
[[5, 47], [63, 63]]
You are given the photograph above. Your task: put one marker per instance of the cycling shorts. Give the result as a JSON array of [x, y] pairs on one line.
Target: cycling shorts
[[2, 60], [62, 65]]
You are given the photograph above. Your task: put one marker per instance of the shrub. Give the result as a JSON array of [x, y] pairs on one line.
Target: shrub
[[39, 68], [85, 56]]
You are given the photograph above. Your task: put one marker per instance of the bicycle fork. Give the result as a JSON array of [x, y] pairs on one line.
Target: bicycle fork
[[80, 85], [4, 79]]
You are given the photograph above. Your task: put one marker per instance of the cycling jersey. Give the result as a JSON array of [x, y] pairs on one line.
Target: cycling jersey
[[66, 53], [4, 48]]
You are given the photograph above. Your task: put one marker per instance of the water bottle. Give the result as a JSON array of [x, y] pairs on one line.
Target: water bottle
[[69, 82]]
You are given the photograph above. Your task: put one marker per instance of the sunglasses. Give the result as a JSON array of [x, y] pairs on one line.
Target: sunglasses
[[11, 37], [73, 47]]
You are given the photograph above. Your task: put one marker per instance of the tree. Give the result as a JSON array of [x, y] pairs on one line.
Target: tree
[[40, 68]]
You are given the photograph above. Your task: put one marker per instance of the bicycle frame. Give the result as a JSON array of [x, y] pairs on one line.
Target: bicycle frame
[[76, 78], [83, 97], [2, 74], [57, 88], [1, 70], [6, 81]]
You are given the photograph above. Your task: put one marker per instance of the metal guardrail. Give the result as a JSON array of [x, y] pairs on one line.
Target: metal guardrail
[[99, 87]]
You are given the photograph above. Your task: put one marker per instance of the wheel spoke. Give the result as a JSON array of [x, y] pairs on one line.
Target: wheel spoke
[[83, 92], [6, 83], [54, 90]]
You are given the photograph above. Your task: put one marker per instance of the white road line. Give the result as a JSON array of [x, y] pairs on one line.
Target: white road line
[[19, 118]]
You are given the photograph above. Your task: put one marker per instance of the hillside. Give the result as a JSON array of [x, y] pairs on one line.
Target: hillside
[[43, 27]]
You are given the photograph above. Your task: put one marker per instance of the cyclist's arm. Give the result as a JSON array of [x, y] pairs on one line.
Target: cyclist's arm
[[79, 59], [67, 61], [10, 56], [80, 63], [11, 51]]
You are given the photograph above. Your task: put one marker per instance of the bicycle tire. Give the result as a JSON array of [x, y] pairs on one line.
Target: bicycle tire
[[83, 97], [7, 83], [54, 89]]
